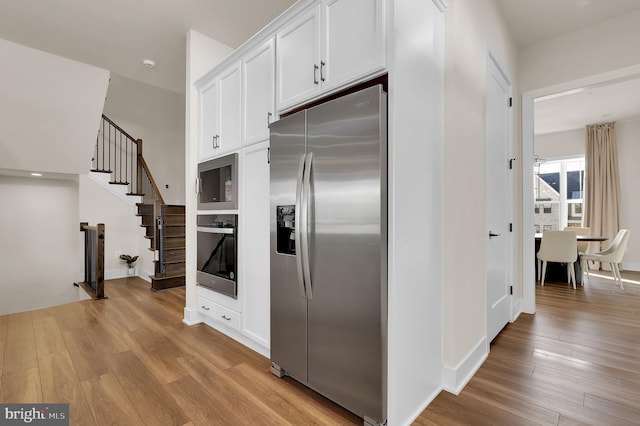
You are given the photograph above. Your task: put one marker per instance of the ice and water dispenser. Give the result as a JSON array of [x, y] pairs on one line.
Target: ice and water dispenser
[[286, 229]]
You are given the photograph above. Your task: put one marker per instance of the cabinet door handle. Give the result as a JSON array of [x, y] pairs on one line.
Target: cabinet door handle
[[269, 119], [226, 318], [315, 74], [322, 64], [216, 141], [206, 308]]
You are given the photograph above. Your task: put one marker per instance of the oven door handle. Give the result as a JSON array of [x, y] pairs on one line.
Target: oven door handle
[[298, 225]]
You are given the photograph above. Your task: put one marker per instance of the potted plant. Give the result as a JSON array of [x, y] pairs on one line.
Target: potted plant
[[131, 262]]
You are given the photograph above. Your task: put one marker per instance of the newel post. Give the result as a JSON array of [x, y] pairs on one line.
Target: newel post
[[139, 168]]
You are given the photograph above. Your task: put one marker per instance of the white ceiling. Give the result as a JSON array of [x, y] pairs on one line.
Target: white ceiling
[[118, 34], [532, 22]]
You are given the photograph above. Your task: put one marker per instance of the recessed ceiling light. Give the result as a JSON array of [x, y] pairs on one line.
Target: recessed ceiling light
[[149, 63], [36, 174]]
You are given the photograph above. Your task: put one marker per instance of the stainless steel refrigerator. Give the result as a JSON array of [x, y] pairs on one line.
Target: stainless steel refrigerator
[[329, 250]]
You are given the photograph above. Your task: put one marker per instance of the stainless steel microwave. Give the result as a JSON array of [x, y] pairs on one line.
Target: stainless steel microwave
[[218, 183]]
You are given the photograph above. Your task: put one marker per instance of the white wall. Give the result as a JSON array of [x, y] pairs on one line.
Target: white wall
[[597, 49], [40, 245], [471, 28], [628, 140], [50, 110], [154, 115], [203, 53], [560, 144], [122, 230]]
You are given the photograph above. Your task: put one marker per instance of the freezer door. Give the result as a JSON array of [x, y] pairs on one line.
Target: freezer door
[[288, 304], [347, 244]]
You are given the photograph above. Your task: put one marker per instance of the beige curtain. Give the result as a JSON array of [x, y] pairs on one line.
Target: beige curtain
[[602, 184]]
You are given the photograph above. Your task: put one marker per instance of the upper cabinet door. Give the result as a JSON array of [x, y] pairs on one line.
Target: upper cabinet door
[[258, 93], [208, 120], [298, 59], [353, 40], [229, 124]]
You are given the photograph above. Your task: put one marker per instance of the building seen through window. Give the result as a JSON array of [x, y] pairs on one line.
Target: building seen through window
[[559, 191]]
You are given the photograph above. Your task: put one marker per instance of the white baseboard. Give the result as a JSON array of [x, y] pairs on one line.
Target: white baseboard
[[424, 406], [630, 266], [455, 379], [112, 274], [516, 309], [191, 316]]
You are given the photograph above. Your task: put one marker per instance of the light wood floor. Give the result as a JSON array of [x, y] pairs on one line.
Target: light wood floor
[[576, 361], [129, 360]]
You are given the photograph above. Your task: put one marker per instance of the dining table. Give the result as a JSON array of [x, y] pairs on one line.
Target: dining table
[[557, 272]]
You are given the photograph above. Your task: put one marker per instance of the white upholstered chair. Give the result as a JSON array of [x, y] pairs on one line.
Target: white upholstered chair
[[613, 255], [582, 245], [562, 247]]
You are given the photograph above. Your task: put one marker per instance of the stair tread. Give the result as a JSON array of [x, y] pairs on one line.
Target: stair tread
[[119, 183], [166, 277], [135, 194], [100, 171], [174, 236], [173, 261]]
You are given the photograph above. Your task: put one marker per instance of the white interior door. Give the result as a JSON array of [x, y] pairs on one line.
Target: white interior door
[[498, 199]]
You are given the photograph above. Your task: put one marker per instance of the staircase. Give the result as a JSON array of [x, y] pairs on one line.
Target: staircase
[[120, 155]]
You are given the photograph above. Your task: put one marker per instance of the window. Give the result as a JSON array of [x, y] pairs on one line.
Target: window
[[559, 192]]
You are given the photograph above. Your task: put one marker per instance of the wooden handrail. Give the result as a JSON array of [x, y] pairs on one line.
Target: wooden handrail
[[143, 164], [118, 128]]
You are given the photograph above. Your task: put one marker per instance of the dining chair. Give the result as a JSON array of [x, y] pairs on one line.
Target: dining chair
[[613, 255], [583, 246], [561, 247]]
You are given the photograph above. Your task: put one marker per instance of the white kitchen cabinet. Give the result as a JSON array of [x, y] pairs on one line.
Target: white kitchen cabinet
[[254, 243], [208, 120], [353, 40], [220, 114], [334, 43], [215, 311], [258, 92]]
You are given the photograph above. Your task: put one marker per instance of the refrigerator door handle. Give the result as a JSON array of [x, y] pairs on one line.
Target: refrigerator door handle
[[305, 221], [298, 224]]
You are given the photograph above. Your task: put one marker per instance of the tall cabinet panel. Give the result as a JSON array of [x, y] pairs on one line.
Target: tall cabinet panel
[[254, 249], [298, 59], [258, 93], [353, 40], [208, 120], [220, 114], [229, 90]]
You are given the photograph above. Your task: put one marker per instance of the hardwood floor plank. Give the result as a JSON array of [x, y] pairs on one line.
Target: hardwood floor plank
[[152, 401], [60, 384], [160, 356], [21, 386], [202, 406], [87, 357], [109, 403], [20, 344], [290, 399], [48, 336], [229, 394]]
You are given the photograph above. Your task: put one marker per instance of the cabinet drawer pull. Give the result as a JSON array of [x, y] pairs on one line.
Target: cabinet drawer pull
[[315, 74], [226, 318], [269, 119], [206, 308], [322, 64]]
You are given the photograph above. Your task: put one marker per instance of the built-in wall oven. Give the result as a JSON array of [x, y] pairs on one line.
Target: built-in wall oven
[[217, 253]]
